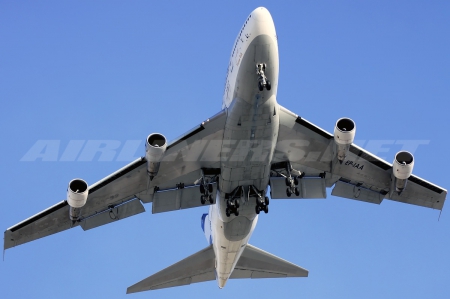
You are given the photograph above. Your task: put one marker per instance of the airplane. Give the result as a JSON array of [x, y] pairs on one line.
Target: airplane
[[231, 162]]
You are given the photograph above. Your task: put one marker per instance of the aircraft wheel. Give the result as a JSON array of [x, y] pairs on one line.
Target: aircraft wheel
[[288, 192], [266, 201], [287, 182], [257, 209], [210, 188], [266, 209], [202, 199], [211, 201], [236, 203], [297, 193], [268, 86], [236, 213], [202, 189], [296, 181], [260, 86]]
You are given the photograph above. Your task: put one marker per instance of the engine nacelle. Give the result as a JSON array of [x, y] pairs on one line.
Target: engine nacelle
[[155, 147], [77, 194], [402, 169], [344, 134]]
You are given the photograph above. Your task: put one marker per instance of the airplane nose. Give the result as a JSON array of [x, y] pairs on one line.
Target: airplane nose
[[261, 14]]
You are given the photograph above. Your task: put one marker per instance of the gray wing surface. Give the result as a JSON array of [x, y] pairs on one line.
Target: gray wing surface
[[198, 267], [257, 263], [121, 194], [362, 176]]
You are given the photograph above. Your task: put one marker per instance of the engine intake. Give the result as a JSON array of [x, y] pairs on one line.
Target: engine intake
[[77, 194], [402, 169], [344, 134], [155, 147]]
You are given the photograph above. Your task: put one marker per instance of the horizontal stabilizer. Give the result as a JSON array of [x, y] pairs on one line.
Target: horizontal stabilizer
[[257, 263], [198, 267]]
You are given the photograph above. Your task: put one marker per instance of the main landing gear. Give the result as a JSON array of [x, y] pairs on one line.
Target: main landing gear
[[232, 207], [262, 79], [292, 181], [285, 170], [206, 187], [240, 196], [206, 190], [233, 201], [262, 203]]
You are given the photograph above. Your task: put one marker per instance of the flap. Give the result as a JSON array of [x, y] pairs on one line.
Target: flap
[[350, 191], [307, 187], [176, 199], [117, 213]]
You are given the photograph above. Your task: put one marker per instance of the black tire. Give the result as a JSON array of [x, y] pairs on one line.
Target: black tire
[[260, 86], [236, 213], [295, 181], [288, 192], [202, 199], [266, 209], [210, 188], [297, 193], [228, 203], [202, 189], [266, 201], [211, 201], [236, 203], [257, 209], [287, 182], [268, 85]]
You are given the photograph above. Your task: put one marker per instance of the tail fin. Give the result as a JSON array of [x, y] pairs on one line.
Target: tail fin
[[206, 227]]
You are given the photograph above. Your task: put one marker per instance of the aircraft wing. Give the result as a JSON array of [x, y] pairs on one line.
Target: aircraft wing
[[362, 175], [121, 194]]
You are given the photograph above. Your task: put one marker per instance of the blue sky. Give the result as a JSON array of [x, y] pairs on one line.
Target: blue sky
[[117, 71]]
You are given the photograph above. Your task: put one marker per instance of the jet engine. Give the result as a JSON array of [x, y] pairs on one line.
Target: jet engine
[[402, 168], [344, 134], [77, 194], [155, 147]]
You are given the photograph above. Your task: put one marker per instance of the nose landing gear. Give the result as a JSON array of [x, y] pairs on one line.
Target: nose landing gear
[[262, 79]]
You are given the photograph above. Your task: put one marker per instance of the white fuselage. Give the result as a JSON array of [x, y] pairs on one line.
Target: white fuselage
[[249, 139]]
